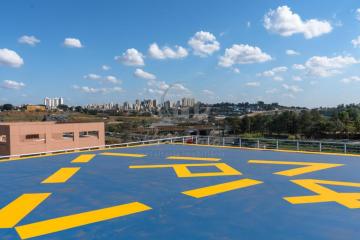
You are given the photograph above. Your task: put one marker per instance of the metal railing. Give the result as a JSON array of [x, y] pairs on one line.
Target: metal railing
[[182, 139], [256, 143], [280, 144]]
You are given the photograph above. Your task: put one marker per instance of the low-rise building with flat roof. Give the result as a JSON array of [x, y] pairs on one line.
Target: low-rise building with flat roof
[[33, 137]]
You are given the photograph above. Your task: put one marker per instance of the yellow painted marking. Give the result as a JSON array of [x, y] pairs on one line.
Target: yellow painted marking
[[182, 170], [83, 158], [349, 200], [270, 150], [221, 188], [309, 166], [71, 221], [193, 158], [65, 153], [12, 213], [61, 175], [123, 154]]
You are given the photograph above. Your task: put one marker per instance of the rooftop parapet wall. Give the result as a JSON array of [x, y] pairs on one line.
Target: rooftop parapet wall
[[30, 137]]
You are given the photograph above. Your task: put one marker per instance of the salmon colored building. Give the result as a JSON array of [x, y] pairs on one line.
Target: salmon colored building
[[34, 137]]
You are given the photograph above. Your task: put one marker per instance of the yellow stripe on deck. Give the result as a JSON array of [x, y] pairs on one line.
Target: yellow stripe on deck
[[61, 175], [183, 171], [221, 188], [193, 158], [308, 166], [15, 211], [83, 158], [123, 154], [71, 221]]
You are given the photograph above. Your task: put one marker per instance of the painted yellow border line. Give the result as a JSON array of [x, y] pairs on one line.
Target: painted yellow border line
[[71, 221], [61, 175], [123, 154], [221, 188], [74, 152], [307, 166], [83, 158], [270, 150], [15, 211], [192, 158]]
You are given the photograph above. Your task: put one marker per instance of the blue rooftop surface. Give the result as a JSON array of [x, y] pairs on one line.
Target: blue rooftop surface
[[248, 200]]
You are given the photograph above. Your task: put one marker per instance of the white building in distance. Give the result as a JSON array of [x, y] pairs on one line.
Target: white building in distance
[[52, 103]]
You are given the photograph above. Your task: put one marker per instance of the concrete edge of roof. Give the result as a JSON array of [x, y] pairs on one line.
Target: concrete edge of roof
[[270, 150], [186, 144], [77, 151]]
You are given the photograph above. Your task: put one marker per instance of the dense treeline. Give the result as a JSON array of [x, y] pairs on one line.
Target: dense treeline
[[340, 122]]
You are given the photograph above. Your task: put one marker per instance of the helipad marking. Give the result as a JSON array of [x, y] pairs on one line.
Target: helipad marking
[[193, 158], [221, 188], [83, 158], [349, 200], [182, 170], [309, 167], [15, 211], [123, 154], [76, 220], [61, 175]]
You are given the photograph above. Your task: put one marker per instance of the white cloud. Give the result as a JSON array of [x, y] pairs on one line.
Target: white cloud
[[207, 92], [292, 88], [10, 84], [105, 67], [356, 42], [236, 70], [291, 52], [252, 84], [145, 75], [179, 87], [351, 79], [30, 40], [91, 90], [161, 87], [204, 44], [131, 57], [273, 72], [322, 66], [298, 67], [92, 76], [272, 91], [357, 13], [167, 52], [286, 23], [242, 54], [10, 58], [278, 78], [111, 79], [297, 78], [96, 77], [288, 95], [72, 43]]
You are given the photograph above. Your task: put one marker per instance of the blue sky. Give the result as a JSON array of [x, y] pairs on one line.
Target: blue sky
[[293, 52]]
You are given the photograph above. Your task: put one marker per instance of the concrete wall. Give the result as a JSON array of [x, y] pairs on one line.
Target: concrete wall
[[51, 136]]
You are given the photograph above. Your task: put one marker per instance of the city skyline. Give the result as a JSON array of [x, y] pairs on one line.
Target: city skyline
[[278, 51]]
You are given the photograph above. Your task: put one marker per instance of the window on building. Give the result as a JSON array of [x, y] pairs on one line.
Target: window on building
[[94, 134], [3, 138], [35, 137], [32, 137], [84, 134], [68, 135]]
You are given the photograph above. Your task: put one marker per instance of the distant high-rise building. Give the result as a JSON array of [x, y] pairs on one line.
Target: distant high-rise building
[[52, 103], [187, 102]]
